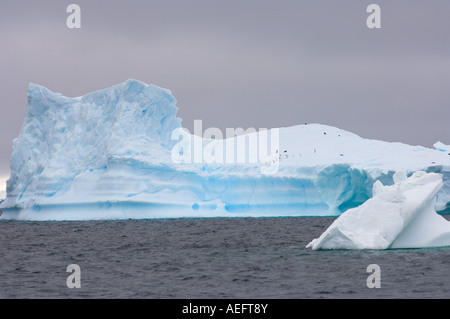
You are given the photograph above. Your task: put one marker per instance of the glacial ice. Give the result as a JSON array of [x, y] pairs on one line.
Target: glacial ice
[[107, 155], [398, 216], [441, 147]]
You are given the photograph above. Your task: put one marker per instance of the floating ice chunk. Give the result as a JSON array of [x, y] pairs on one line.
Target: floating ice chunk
[[397, 216]]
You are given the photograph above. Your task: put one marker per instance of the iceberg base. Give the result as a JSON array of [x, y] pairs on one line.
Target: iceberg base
[[140, 210]]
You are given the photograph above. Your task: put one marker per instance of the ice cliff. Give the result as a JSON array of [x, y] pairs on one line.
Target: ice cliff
[[109, 155]]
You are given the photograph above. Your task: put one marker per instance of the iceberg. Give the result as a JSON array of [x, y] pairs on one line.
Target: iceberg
[[397, 216], [109, 155]]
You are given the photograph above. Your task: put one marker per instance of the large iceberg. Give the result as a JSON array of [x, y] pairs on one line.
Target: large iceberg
[[397, 216], [110, 155]]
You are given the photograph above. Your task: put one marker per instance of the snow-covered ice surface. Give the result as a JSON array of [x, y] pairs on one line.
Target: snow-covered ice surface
[[107, 155], [397, 216], [441, 147]]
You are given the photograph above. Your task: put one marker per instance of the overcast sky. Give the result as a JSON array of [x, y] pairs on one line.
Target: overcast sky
[[246, 63]]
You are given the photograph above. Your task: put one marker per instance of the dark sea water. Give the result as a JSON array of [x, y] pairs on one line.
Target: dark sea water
[[206, 258]]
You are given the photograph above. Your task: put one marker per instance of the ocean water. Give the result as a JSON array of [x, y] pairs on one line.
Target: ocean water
[[206, 258]]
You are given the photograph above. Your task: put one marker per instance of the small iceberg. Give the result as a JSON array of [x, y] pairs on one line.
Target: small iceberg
[[398, 216]]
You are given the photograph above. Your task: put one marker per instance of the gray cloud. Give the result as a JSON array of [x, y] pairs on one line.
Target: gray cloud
[[241, 63]]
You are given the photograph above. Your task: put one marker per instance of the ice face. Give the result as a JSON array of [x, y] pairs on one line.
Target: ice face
[[108, 155], [63, 139], [397, 216]]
